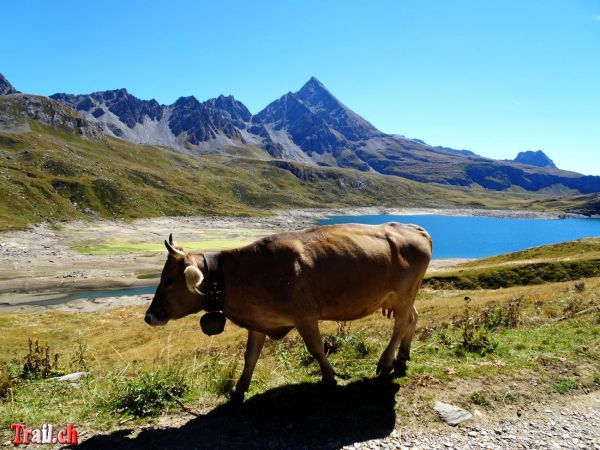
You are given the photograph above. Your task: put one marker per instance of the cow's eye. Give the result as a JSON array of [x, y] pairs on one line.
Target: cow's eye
[[168, 282]]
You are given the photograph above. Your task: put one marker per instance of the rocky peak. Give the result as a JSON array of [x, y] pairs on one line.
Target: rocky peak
[[534, 158], [315, 95], [235, 109], [316, 121], [128, 108], [5, 87]]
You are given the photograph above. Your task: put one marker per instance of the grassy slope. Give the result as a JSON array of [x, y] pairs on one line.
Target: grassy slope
[[554, 349], [53, 175], [588, 248], [565, 261]]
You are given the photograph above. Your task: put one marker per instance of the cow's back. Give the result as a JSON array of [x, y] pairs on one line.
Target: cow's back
[[337, 272]]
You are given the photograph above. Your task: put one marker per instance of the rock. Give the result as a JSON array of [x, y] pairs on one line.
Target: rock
[[5, 87], [538, 159], [452, 415], [71, 377]]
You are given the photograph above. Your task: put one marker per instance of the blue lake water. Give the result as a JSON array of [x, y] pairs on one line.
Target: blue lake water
[[477, 237], [93, 294]]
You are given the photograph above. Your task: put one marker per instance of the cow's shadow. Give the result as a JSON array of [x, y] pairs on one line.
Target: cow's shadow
[[292, 417]]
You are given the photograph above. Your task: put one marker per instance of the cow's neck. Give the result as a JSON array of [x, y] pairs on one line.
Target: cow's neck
[[214, 282]]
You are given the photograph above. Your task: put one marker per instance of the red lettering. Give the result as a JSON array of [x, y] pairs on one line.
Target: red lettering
[[61, 436], [17, 427], [72, 434], [26, 434]]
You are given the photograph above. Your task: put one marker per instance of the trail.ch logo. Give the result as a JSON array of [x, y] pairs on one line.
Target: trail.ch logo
[[43, 435]]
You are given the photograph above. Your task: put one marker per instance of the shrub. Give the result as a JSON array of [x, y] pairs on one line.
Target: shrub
[[79, 360], [37, 363], [579, 286], [445, 338], [479, 398], [564, 385], [220, 375], [571, 305], [507, 315], [7, 380], [347, 342], [475, 339], [148, 394]]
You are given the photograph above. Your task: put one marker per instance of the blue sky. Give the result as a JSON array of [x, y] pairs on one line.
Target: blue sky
[[495, 77]]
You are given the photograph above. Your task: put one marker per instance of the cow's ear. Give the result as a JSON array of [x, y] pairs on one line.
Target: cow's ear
[[193, 278]]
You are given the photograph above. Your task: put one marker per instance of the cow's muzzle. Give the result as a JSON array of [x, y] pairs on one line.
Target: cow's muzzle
[[153, 321]]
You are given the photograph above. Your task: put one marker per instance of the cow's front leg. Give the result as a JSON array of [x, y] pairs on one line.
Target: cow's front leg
[[255, 343], [309, 330]]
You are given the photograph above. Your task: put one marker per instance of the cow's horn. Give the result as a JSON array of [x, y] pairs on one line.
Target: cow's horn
[[173, 251], [193, 278], [171, 238]]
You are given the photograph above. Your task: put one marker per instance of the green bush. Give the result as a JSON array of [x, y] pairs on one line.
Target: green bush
[[564, 385], [525, 275], [352, 344], [479, 398], [148, 394], [475, 338]]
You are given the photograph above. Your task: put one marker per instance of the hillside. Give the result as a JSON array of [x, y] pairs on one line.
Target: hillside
[[566, 261], [51, 174]]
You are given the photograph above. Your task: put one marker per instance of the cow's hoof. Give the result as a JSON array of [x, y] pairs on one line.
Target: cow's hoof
[[383, 371], [236, 397], [399, 369]]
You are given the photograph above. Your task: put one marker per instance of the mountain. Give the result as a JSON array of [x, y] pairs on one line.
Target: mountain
[[538, 159], [57, 164], [50, 173], [313, 127], [5, 87]]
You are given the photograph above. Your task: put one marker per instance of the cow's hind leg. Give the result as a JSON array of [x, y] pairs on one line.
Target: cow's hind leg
[[309, 330], [405, 322], [386, 362], [255, 343], [408, 331]]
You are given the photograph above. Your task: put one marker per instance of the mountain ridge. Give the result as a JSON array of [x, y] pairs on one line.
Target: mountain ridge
[[313, 127]]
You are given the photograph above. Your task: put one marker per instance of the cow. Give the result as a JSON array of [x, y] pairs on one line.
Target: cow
[[294, 279]]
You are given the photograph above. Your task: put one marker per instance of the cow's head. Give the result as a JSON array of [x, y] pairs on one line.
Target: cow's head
[[178, 293]]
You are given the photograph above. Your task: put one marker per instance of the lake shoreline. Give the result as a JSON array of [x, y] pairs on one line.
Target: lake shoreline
[[46, 260]]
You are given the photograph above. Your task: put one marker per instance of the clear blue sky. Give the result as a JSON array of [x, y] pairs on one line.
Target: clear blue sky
[[492, 76]]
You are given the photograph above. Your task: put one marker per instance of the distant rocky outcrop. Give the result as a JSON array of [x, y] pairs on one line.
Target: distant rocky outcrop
[[534, 158], [5, 87]]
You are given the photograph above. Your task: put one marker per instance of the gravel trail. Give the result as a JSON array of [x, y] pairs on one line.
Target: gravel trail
[[574, 426]]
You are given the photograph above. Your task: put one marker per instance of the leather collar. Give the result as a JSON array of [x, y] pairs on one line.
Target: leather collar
[[214, 283]]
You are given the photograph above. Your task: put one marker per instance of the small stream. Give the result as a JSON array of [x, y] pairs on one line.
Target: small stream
[[91, 295]]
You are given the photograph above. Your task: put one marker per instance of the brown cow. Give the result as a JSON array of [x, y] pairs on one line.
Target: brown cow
[[287, 280]]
